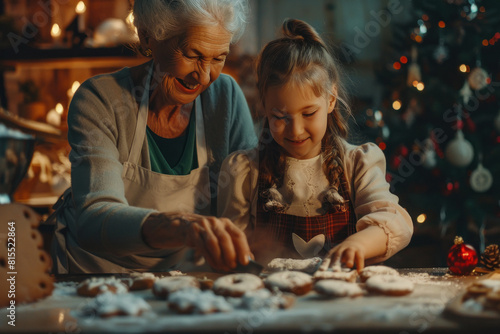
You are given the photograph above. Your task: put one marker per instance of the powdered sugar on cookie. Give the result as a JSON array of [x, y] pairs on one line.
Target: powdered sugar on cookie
[[193, 300], [304, 265], [109, 304]]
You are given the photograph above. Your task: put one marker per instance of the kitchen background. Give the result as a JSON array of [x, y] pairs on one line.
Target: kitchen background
[[424, 77]]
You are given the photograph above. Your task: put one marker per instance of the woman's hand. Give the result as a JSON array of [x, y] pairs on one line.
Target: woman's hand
[[221, 243]]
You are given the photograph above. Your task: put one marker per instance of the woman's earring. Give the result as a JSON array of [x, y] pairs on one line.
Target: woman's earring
[[148, 52]]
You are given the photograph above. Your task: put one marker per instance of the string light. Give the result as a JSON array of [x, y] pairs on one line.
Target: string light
[[421, 218], [420, 86], [396, 105], [463, 68]]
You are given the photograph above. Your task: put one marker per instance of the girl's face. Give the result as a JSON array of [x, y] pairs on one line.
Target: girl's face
[[297, 119], [188, 64]]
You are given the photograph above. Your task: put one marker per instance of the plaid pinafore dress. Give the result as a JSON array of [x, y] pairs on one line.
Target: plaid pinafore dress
[[336, 226]]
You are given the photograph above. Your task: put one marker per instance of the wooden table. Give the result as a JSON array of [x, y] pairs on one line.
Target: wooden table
[[426, 310]]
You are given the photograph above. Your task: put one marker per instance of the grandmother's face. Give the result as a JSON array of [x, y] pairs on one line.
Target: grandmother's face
[[191, 62]]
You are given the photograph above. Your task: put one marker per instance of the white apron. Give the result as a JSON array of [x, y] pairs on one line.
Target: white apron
[[147, 189]]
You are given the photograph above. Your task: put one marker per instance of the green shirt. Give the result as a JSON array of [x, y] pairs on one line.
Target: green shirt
[[174, 156]]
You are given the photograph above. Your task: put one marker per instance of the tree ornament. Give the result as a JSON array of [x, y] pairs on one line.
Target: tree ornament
[[478, 78], [462, 258], [429, 154], [466, 92], [413, 70], [490, 258], [459, 151], [481, 179], [441, 52]]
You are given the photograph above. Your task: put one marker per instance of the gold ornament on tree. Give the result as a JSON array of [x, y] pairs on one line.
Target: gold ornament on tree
[[478, 78], [490, 258]]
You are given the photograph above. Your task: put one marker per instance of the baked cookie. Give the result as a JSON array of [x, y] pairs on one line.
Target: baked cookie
[[109, 304], [235, 285], [304, 265], [94, 286], [370, 271], [295, 282], [167, 285], [192, 300], [140, 281], [337, 288], [347, 276], [482, 287], [390, 285]]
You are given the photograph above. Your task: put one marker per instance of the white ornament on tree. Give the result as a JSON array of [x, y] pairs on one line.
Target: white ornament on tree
[[459, 151], [481, 179], [465, 92], [478, 78], [429, 154]]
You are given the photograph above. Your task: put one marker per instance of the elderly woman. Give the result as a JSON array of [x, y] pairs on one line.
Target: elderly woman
[[147, 144]]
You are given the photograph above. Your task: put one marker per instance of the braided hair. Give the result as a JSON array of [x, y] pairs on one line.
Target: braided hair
[[301, 57]]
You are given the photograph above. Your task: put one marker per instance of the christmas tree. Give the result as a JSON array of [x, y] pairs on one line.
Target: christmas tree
[[439, 122]]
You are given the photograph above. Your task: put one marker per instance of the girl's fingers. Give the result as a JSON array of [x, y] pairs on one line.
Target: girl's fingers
[[348, 257], [360, 261]]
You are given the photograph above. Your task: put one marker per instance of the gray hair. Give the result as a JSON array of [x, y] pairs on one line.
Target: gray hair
[[164, 19]]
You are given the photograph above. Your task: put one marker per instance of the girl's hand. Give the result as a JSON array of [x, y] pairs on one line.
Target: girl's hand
[[349, 252], [221, 243]]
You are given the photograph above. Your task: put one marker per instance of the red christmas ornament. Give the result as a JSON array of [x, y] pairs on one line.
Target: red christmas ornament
[[462, 258]]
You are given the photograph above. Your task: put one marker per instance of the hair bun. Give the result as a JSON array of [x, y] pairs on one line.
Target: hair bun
[[299, 30]]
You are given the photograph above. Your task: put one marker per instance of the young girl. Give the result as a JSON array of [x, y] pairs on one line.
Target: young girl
[[305, 191]]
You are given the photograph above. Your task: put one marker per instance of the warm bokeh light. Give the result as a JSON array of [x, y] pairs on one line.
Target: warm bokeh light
[[55, 31], [80, 8], [441, 24], [414, 83], [421, 218], [396, 65], [418, 39], [482, 9], [463, 68], [425, 17], [403, 59], [382, 146], [485, 42], [396, 105], [59, 108], [420, 86], [75, 86]]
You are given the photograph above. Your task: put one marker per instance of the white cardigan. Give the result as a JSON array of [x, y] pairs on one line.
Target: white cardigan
[[364, 168]]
